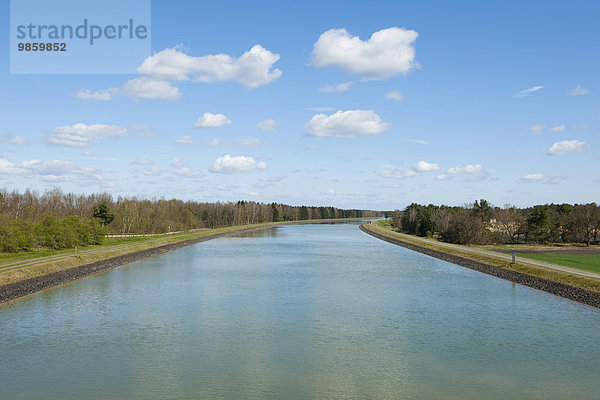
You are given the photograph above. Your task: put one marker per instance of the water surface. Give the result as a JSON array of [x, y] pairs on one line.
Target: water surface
[[308, 311]]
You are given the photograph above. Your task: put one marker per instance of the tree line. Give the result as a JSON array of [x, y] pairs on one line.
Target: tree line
[[61, 220], [482, 223]]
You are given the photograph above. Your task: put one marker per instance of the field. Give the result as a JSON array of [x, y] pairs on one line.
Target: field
[[588, 262]]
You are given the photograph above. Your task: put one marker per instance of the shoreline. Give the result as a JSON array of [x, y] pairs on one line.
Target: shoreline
[[29, 286], [579, 295], [16, 290]]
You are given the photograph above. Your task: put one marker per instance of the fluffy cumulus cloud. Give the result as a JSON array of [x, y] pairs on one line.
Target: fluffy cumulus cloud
[[527, 92], [252, 69], [420, 167], [48, 171], [469, 169], [394, 95], [578, 91], [386, 53], [137, 88], [346, 124], [396, 173], [82, 135], [539, 129], [230, 165], [149, 88], [188, 172], [266, 125], [209, 120], [424, 166], [566, 146], [339, 88]]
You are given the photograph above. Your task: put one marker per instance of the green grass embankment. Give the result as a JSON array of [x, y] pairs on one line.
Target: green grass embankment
[[59, 260], [586, 262], [384, 228]]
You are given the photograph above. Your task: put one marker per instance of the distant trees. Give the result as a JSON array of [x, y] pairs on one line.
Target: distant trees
[[50, 232], [57, 220], [481, 223], [102, 213]]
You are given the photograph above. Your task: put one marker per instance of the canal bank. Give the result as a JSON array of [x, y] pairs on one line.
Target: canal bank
[[570, 292], [83, 269]]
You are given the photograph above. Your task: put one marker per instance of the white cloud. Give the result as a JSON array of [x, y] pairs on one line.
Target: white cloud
[[417, 169], [7, 137], [527, 92], [424, 166], [229, 165], [9, 168], [188, 172], [149, 88], [536, 178], [331, 191], [209, 120], [273, 179], [468, 169], [252, 69], [179, 162], [442, 177], [418, 141], [151, 171], [387, 53], [145, 131], [82, 135], [396, 173], [250, 143], [212, 143], [538, 129], [137, 88], [50, 171], [339, 88], [394, 95], [320, 109], [266, 125], [143, 162], [578, 91], [346, 124], [566, 146], [187, 139], [104, 94]]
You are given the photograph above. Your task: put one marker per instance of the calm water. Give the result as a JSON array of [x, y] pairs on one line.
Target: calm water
[[312, 311]]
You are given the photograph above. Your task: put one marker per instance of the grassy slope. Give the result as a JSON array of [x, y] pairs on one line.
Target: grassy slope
[[383, 227], [588, 262], [112, 247]]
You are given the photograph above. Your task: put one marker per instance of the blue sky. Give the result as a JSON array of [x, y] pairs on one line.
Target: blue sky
[[448, 102]]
